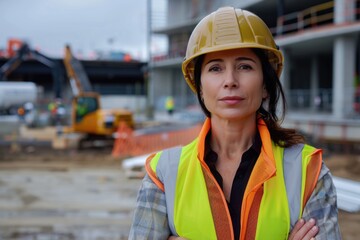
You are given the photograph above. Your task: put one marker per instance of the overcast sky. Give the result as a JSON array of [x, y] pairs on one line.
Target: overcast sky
[[87, 25]]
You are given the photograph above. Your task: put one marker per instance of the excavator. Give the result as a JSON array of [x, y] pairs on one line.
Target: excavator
[[20, 96], [87, 116]]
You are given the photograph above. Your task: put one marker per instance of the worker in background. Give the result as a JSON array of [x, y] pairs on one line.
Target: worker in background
[[81, 108], [244, 176], [57, 111], [169, 105], [52, 108], [21, 113]]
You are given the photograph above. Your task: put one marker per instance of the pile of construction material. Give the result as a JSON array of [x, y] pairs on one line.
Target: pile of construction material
[[135, 167], [348, 194]]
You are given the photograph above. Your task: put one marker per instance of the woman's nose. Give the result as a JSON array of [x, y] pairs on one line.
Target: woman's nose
[[230, 80]]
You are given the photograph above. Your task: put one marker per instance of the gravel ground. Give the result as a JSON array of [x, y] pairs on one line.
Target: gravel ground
[[46, 194]]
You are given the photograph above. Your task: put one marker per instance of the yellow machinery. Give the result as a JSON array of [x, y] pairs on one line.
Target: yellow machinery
[[87, 116]]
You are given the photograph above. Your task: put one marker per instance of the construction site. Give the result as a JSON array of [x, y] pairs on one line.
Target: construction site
[[61, 160], [75, 133], [71, 193]]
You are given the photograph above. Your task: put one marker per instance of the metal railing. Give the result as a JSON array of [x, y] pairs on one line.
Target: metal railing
[[173, 54], [302, 99], [314, 16]]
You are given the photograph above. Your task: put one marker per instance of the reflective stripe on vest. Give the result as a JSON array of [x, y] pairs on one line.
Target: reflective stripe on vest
[[287, 201], [167, 171], [292, 176]]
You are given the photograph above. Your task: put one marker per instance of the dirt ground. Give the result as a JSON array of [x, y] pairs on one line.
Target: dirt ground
[[346, 166], [67, 195], [46, 159]]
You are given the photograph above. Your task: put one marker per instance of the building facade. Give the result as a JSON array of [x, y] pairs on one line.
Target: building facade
[[320, 42]]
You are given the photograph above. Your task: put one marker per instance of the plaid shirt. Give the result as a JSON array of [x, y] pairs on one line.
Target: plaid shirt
[[150, 217]]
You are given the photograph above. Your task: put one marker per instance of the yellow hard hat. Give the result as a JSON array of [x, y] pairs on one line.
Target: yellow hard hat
[[229, 28]]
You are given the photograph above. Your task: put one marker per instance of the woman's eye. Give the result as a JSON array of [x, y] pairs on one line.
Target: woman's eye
[[214, 69], [244, 67]]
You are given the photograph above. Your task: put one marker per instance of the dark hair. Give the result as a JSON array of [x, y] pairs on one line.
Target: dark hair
[[281, 136]]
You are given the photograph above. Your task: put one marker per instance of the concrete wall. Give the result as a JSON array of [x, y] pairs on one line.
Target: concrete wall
[[182, 11], [133, 103], [161, 81]]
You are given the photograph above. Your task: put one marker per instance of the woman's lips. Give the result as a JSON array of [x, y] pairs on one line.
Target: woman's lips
[[231, 100]]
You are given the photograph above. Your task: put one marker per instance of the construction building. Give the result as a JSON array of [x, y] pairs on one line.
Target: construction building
[[321, 45]]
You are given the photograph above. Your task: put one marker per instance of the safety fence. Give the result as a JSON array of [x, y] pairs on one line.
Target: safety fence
[[133, 143]]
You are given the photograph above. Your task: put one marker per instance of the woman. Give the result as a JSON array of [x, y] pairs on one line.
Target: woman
[[244, 177]]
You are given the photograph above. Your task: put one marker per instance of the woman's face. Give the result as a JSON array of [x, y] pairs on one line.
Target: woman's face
[[232, 84]]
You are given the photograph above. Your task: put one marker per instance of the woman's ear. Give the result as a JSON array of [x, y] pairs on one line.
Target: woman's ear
[[201, 95], [264, 93]]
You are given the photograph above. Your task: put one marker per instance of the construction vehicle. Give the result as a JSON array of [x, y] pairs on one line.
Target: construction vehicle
[[14, 95], [20, 97], [23, 53], [87, 115]]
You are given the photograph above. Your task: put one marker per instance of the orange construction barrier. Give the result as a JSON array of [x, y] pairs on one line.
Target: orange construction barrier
[[130, 143]]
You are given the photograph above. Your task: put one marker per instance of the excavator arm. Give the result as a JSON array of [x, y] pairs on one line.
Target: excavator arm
[[25, 53], [79, 81]]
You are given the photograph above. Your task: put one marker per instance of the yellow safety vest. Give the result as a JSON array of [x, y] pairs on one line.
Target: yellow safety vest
[[196, 205]]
